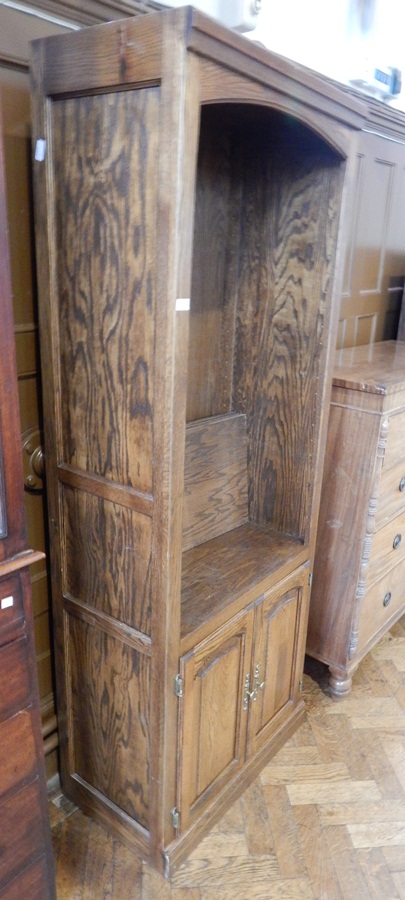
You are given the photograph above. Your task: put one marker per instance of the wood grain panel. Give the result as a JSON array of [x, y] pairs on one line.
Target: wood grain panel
[[105, 151], [212, 310], [31, 883], [109, 698], [215, 478], [125, 57], [21, 764], [110, 569], [342, 525], [14, 672], [287, 232]]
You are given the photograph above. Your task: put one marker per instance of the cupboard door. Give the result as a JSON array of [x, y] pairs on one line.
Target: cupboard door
[[214, 717], [276, 660]]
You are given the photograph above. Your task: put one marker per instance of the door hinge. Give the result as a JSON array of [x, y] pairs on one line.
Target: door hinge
[[310, 579], [301, 685], [175, 819], [178, 686]]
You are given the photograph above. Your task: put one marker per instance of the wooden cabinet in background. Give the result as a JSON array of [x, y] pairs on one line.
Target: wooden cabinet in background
[[188, 203], [26, 866], [359, 571]]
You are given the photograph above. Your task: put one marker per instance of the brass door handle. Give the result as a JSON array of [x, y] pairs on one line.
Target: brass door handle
[[259, 685], [33, 459]]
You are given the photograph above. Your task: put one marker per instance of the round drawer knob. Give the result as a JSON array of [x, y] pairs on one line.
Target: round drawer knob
[[402, 484], [397, 540], [387, 599]]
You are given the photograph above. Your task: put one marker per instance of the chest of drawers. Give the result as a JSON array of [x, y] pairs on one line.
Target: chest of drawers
[[359, 573], [24, 828]]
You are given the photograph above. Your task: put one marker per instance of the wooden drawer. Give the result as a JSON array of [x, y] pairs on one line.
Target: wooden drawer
[[21, 832], [11, 608], [32, 883], [383, 602], [387, 548], [14, 678], [391, 493], [17, 751], [395, 440]]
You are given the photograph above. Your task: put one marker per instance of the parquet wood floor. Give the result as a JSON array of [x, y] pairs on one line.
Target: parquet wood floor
[[324, 821]]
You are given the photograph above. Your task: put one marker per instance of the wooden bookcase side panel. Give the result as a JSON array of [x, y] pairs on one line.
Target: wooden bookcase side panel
[[341, 528], [108, 693], [104, 152], [107, 558]]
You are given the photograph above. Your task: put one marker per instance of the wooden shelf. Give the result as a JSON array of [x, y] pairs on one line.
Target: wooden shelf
[[222, 575]]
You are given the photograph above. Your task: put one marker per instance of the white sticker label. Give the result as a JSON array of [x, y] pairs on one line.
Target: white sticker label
[[6, 602], [182, 304], [40, 149]]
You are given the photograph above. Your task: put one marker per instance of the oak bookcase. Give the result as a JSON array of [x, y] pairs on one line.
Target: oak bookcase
[[189, 191]]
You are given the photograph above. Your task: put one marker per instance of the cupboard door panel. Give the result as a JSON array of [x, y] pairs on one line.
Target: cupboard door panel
[[214, 720], [275, 657]]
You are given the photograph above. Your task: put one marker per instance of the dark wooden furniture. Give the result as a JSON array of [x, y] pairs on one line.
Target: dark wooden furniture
[[359, 572], [26, 867], [188, 200]]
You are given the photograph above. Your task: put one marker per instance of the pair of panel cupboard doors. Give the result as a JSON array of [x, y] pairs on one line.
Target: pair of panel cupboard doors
[[188, 199]]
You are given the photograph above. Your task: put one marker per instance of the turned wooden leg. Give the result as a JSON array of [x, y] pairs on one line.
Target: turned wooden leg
[[340, 682]]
